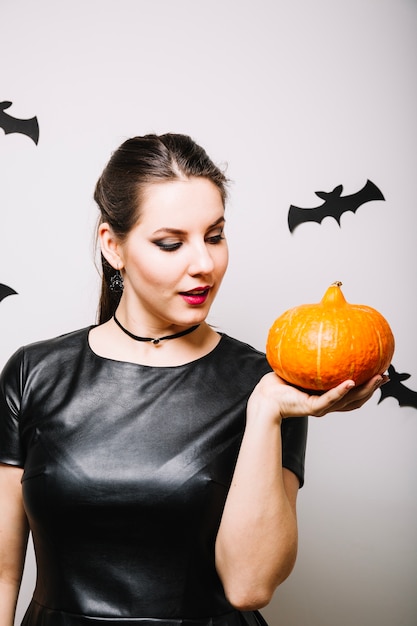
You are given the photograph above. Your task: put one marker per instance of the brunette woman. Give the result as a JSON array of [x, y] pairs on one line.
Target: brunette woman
[[155, 460]]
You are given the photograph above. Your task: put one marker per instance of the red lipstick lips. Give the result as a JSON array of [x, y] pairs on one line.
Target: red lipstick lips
[[196, 296]]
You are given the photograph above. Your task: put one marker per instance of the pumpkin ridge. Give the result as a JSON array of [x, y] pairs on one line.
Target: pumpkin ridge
[[378, 334], [318, 377], [279, 349]]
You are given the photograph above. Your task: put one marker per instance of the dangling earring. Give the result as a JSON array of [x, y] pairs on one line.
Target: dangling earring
[[116, 282]]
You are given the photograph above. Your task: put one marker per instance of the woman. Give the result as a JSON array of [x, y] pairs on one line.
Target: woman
[[159, 470]]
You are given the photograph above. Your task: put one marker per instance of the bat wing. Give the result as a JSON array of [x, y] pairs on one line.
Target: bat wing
[[298, 215], [401, 393], [368, 193], [10, 124], [6, 291]]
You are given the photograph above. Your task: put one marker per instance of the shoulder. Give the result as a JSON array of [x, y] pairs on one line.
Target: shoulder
[[242, 358], [66, 342], [241, 349], [44, 355]]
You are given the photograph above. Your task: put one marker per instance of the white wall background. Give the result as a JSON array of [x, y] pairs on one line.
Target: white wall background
[[297, 96]]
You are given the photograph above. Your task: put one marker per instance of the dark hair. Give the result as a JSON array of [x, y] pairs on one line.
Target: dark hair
[[137, 163]]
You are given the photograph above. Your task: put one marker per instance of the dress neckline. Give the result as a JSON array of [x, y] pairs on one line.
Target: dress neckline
[[110, 360]]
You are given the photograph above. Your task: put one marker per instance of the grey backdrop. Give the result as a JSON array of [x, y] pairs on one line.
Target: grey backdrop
[[295, 96]]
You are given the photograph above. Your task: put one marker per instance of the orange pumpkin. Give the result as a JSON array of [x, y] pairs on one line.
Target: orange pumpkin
[[318, 346]]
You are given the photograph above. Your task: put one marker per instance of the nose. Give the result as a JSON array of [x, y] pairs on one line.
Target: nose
[[201, 260]]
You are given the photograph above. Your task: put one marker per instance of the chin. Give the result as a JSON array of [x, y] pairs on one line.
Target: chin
[[197, 318]]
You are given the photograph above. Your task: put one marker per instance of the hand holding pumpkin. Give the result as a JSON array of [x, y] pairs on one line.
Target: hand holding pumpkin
[[275, 399]]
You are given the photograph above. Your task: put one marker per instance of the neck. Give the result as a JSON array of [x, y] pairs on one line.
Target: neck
[[155, 340]]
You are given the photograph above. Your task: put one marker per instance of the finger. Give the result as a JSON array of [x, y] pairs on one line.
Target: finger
[[347, 397], [336, 394], [370, 385], [359, 395], [365, 391], [330, 400]]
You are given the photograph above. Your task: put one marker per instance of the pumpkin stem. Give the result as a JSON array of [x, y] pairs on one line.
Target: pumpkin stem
[[334, 295]]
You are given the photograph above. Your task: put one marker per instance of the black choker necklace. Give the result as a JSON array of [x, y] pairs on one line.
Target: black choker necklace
[[154, 340]]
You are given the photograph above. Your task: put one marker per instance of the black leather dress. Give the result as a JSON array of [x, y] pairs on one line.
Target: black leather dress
[[126, 471]]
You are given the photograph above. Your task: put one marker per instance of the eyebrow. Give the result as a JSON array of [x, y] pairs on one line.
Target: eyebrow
[[178, 231]]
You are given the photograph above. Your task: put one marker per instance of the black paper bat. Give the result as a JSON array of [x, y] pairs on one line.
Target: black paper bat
[[14, 125], [334, 205], [6, 291], [395, 389]]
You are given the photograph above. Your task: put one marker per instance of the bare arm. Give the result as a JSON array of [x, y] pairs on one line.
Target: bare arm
[[13, 541], [256, 544]]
